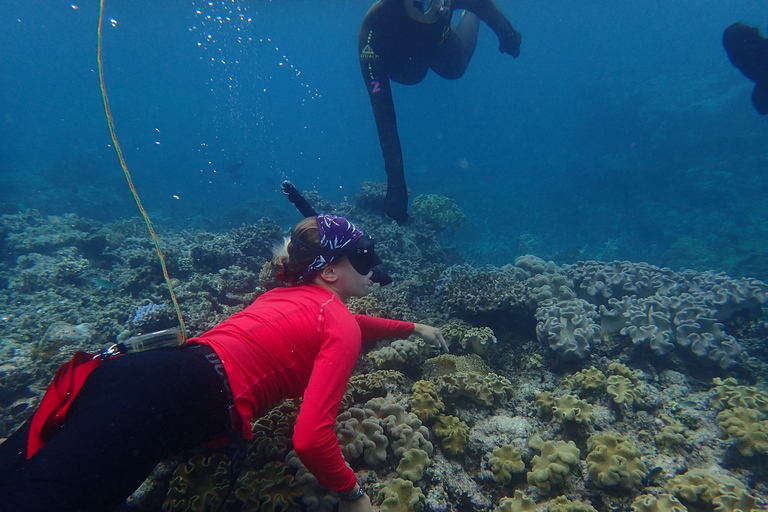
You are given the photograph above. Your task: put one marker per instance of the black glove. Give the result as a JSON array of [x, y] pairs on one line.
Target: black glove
[[510, 43]]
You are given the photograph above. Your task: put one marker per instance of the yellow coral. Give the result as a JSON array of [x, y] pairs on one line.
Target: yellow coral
[[621, 389], [588, 380], [613, 460], [201, 483], [455, 433], [553, 465], [571, 408], [703, 486], [563, 504], [519, 503], [400, 496], [660, 503], [480, 339], [747, 427], [624, 371], [412, 464], [505, 461], [426, 402], [728, 394]]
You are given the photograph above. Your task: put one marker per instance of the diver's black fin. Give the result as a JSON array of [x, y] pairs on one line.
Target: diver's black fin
[[760, 98]]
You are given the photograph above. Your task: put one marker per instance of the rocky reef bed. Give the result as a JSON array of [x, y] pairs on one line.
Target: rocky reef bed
[[589, 386]]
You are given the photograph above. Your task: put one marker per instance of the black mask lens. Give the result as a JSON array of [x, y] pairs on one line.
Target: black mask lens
[[364, 258]]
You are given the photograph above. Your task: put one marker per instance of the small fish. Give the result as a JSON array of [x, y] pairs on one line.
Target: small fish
[[103, 283]]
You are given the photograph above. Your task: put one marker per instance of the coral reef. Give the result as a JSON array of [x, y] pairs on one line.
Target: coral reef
[[616, 359]]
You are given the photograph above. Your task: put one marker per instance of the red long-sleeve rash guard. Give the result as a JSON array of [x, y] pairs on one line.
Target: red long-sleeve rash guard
[[294, 342]]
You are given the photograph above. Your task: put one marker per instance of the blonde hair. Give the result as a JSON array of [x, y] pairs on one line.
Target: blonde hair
[[289, 260]]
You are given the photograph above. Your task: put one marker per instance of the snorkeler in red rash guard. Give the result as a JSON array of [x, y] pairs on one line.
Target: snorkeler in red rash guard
[[401, 40], [135, 410]]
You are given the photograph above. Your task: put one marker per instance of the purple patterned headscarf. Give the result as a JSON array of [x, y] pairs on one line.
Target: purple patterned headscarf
[[335, 233]]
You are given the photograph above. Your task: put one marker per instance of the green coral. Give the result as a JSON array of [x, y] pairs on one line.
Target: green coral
[[400, 496], [454, 432], [553, 465], [505, 461], [520, 503], [200, 484], [660, 503], [426, 402], [703, 487], [614, 461], [441, 211], [572, 408], [412, 464]]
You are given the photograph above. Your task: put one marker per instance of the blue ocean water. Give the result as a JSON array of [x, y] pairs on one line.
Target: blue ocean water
[[621, 132]]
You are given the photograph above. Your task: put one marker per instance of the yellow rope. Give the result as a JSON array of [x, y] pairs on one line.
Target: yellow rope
[[128, 174]]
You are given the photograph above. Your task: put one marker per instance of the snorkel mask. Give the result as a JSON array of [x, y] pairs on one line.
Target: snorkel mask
[[359, 251], [340, 238], [427, 7]]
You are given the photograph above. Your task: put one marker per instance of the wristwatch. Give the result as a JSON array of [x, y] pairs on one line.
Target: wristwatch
[[352, 496]]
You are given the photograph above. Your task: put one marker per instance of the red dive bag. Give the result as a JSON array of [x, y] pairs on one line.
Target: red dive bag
[[52, 412]]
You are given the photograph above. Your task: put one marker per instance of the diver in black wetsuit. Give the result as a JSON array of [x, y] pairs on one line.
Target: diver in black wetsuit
[[748, 51], [401, 40]]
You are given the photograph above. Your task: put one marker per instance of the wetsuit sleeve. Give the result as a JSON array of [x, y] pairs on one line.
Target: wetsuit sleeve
[[314, 437], [491, 15], [380, 93], [373, 328]]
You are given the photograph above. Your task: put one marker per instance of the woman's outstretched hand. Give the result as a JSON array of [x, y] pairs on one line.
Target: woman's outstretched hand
[[431, 335]]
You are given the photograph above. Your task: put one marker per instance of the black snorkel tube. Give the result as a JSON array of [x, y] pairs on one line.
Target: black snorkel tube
[[306, 210]]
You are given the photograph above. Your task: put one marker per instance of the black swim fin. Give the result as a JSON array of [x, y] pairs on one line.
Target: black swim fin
[[760, 98], [748, 51]]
